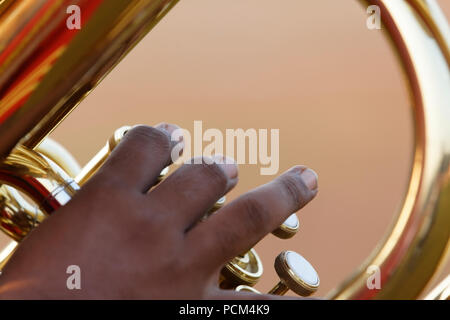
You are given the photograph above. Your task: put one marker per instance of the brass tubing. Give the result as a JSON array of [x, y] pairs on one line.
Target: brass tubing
[[417, 242], [279, 289], [92, 166], [59, 67]]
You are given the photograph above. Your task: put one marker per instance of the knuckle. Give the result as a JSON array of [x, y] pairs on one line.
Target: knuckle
[[214, 174], [150, 135], [257, 215], [295, 190], [153, 217]]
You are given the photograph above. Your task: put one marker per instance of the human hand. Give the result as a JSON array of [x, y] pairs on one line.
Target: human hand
[[132, 243]]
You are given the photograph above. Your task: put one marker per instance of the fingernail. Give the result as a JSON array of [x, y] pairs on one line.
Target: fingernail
[[310, 178], [227, 164], [169, 128]]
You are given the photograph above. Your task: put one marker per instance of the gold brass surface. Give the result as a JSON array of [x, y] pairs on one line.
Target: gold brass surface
[[246, 289], [441, 292], [68, 63], [418, 240], [59, 155], [290, 280], [285, 231], [7, 252], [41, 180], [245, 269]]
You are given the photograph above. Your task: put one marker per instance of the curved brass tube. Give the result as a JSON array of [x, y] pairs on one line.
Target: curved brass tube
[[41, 180], [441, 292], [59, 155], [418, 241], [46, 69], [17, 216]]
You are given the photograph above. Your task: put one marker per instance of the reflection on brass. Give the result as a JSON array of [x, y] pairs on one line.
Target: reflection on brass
[[18, 217], [417, 241], [41, 181], [441, 291], [46, 70], [295, 274], [97, 161], [245, 269], [288, 229], [7, 252], [219, 204], [244, 288], [59, 155]]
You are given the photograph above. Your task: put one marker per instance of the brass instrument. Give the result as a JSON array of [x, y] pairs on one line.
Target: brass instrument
[[46, 69]]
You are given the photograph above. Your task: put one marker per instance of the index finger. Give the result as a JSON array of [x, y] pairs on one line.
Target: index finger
[[238, 226]]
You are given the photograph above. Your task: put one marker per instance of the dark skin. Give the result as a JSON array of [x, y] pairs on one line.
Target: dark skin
[[134, 244]]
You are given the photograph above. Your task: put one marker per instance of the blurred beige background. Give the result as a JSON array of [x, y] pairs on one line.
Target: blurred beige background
[[311, 69]]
